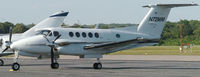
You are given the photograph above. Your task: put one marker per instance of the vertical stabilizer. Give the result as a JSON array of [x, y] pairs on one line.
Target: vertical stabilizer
[[153, 23]]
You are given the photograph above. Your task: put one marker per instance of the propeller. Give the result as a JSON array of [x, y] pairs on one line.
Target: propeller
[[52, 45], [8, 42]]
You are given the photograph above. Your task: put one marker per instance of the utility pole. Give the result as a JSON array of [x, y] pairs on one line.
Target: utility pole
[[181, 37]]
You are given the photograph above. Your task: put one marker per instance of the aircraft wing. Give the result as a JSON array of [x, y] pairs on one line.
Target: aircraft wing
[[120, 44], [5, 53]]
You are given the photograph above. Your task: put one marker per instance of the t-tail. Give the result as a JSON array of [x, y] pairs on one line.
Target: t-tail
[[153, 23], [54, 20]]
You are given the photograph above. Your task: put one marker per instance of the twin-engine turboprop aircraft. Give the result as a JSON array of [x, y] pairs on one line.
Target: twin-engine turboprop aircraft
[[93, 43]]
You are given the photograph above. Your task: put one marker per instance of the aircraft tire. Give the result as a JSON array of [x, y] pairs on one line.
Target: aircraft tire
[[1, 62], [97, 66], [54, 65], [15, 66]]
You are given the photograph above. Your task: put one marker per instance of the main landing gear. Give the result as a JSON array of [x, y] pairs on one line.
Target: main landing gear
[[97, 65], [54, 64]]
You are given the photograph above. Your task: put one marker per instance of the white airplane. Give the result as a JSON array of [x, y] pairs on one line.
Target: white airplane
[[55, 20], [93, 43]]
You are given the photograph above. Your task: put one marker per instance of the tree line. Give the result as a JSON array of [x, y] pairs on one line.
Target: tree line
[[170, 35], [17, 28]]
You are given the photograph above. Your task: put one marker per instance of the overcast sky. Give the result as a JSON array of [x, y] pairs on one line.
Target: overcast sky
[[90, 11]]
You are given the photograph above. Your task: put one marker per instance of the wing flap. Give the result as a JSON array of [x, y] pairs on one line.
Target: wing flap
[[6, 54]]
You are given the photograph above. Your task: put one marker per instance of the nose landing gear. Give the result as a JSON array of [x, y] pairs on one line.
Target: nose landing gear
[[16, 65]]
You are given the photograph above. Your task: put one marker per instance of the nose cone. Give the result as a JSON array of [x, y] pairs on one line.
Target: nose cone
[[32, 44], [23, 44], [17, 45]]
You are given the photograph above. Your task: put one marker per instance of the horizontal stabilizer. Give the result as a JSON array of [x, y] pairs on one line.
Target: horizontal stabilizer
[[171, 5]]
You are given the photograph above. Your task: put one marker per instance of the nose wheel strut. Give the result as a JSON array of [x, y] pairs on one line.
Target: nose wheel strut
[[16, 66]]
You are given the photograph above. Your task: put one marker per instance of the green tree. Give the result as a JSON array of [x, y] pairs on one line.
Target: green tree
[[19, 28], [4, 27], [30, 25]]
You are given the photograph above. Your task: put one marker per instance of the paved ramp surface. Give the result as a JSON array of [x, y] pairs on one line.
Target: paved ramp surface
[[111, 68]]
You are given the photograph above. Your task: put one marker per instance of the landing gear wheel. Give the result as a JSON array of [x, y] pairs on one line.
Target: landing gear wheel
[[97, 65], [15, 66], [54, 65], [1, 62]]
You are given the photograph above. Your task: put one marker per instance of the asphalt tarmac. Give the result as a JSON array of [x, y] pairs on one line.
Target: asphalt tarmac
[[111, 68]]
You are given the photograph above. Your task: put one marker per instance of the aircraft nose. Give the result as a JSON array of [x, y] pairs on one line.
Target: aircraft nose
[[13, 46], [16, 45], [28, 44], [19, 45]]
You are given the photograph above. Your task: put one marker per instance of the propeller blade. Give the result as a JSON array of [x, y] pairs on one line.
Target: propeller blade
[[56, 38], [10, 33], [5, 50], [1, 42]]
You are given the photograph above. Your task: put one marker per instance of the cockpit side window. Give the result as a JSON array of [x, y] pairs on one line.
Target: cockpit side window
[[55, 33]]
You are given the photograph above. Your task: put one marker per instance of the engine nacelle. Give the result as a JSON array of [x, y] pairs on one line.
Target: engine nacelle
[[39, 56], [28, 54], [47, 56]]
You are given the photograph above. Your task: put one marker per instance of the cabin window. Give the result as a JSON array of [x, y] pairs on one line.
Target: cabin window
[[90, 35], [117, 35], [77, 34], [96, 35], [84, 34], [71, 34], [55, 33]]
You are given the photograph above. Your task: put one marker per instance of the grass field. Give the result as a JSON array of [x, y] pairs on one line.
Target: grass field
[[159, 50]]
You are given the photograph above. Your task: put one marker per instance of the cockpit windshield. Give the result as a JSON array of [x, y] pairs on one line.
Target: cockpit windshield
[[45, 32], [48, 33]]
